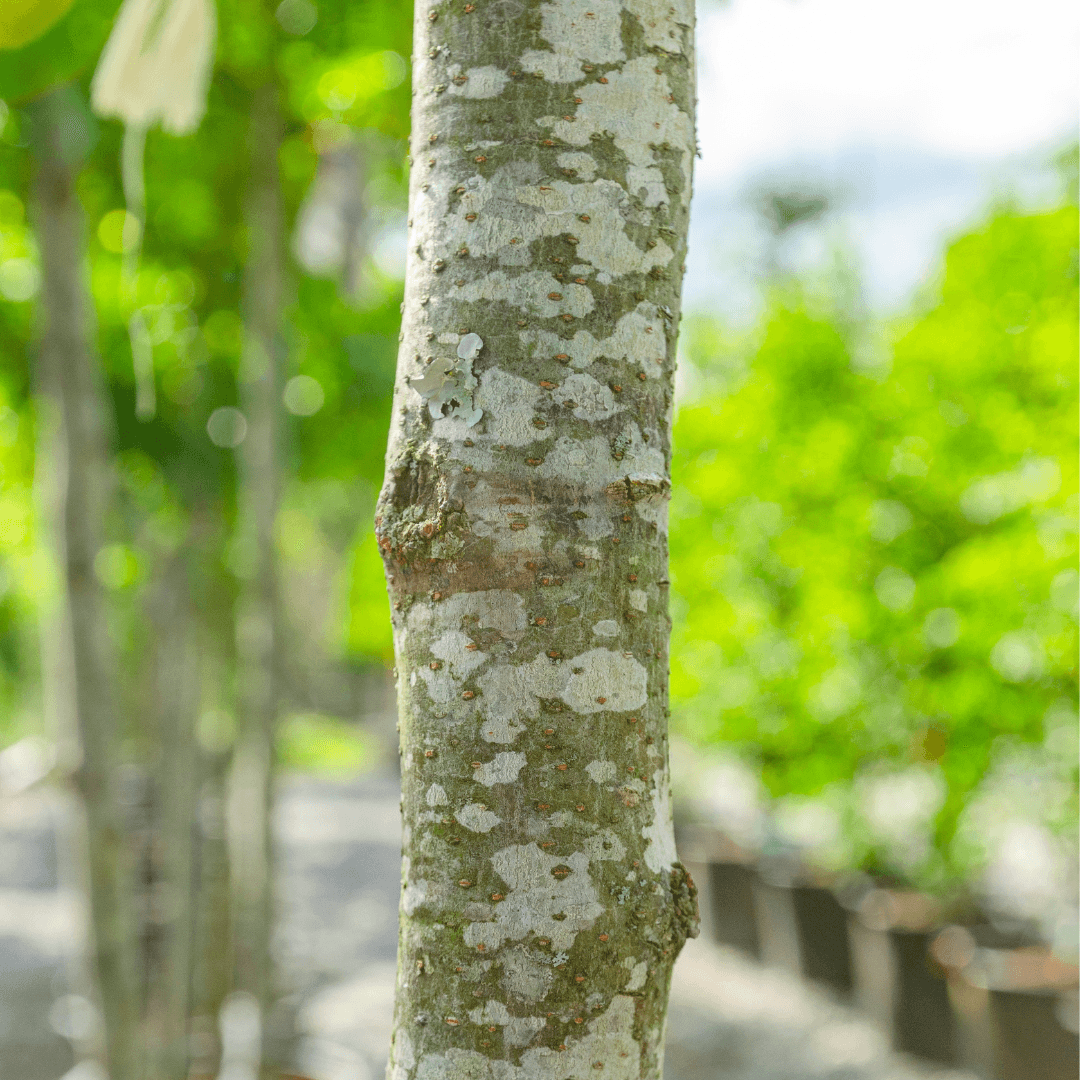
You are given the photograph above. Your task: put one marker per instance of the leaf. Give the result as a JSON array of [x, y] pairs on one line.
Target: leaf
[[62, 52]]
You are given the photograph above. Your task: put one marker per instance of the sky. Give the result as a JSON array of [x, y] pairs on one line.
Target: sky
[[910, 115]]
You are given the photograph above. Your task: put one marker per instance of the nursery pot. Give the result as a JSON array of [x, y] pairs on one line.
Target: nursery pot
[[824, 946], [732, 906], [1021, 1002], [923, 1020], [897, 978]]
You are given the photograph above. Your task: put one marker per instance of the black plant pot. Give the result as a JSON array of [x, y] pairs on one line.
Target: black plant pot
[[923, 1021], [897, 978], [1028, 1038], [732, 909], [1014, 1001], [1019, 1001], [824, 946]]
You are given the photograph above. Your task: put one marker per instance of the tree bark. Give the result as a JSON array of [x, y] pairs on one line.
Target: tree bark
[[523, 527], [257, 629], [70, 370]]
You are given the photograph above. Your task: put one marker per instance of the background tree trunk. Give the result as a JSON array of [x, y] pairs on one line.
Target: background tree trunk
[[257, 617], [69, 369], [523, 526], [173, 897]]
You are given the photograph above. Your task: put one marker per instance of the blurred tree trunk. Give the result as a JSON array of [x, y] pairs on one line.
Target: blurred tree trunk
[[212, 976], [173, 897], [71, 378], [523, 526], [251, 783]]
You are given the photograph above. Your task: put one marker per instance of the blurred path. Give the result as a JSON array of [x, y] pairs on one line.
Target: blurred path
[[41, 927], [730, 1018]]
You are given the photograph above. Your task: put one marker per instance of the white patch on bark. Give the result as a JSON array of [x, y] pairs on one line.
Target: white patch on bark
[[590, 461], [603, 241], [480, 82], [440, 684], [638, 974], [402, 1056], [502, 769], [660, 852], [647, 182], [452, 649], [654, 511], [413, 895], [634, 106], [606, 628], [512, 694], [436, 796], [511, 209], [585, 164], [639, 600], [477, 817], [529, 292], [662, 23], [534, 896], [601, 772], [605, 846], [523, 977], [510, 403], [627, 342], [608, 1037], [577, 30], [494, 609], [591, 400], [602, 680], [517, 1030], [500, 731]]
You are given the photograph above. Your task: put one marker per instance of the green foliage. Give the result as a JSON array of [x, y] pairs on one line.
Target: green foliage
[[323, 745], [873, 549], [66, 51], [874, 570], [342, 79]]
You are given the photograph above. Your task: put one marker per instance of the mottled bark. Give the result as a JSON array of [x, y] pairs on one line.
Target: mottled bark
[[70, 369], [523, 525], [257, 635]]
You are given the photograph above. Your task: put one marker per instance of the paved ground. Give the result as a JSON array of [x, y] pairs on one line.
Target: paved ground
[[730, 1019]]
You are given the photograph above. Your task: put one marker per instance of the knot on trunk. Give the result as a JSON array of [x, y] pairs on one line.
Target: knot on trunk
[[684, 896], [419, 515]]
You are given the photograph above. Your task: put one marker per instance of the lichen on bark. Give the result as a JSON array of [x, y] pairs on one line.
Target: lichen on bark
[[523, 526]]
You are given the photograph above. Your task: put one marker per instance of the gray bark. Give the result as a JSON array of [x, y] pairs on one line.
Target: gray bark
[[259, 462], [523, 526], [70, 370]]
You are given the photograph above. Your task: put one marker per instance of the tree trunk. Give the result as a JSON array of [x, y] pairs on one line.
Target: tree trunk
[[176, 791], [70, 370], [523, 526], [256, 621]]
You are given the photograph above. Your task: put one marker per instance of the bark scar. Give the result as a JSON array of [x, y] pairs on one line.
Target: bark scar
[[684, 894]]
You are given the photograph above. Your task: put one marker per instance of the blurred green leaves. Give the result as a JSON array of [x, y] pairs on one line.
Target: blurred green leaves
[[874, 565], [323, 745]]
